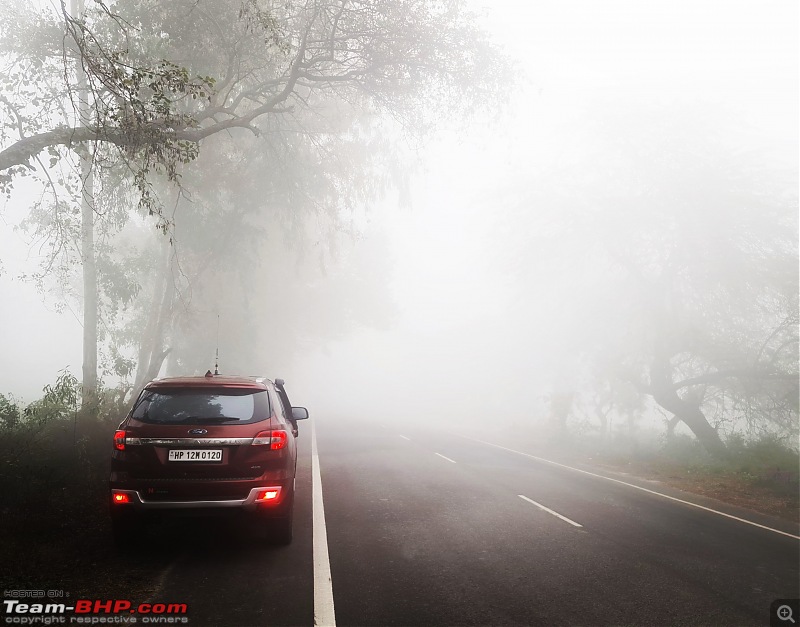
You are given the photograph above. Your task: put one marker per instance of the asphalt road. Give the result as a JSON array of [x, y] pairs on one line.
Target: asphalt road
[[433, 529]]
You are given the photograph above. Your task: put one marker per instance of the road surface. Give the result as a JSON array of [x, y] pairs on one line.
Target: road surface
[[429, 528]]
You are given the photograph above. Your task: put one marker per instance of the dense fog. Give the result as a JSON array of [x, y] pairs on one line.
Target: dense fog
[[618, 217]]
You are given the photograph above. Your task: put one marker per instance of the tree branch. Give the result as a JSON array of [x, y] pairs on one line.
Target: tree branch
[[717, 377]]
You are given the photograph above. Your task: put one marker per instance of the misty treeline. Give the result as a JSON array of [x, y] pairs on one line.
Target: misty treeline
[[664, 249], [198, 165]]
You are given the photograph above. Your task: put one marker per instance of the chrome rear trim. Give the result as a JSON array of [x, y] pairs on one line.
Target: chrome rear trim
[[188, 441], [140, 503], [146, 479]]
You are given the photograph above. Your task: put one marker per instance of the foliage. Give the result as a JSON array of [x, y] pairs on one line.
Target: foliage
[[296, 106], [54, 465], [51, 456], [242, 65], [10, 412], [768, 461], [59, 401]]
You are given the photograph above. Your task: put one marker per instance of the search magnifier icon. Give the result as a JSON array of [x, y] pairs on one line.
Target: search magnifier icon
[[785, 613]]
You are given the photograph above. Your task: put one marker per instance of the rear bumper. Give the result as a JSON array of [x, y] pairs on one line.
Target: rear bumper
[[251, 502]]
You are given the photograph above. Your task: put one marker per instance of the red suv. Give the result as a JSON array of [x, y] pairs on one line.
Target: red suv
[[212, 444]]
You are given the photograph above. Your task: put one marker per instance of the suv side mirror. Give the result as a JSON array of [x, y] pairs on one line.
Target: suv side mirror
[[299, 413]]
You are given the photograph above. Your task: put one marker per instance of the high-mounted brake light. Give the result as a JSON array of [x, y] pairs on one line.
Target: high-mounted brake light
[[119, 440], [120, 497], [276, 439]]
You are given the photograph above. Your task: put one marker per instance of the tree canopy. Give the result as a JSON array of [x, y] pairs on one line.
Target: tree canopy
[[163, 77], [293, 107]]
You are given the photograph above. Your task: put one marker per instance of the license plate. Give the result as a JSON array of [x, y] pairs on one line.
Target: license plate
[[196, 455]]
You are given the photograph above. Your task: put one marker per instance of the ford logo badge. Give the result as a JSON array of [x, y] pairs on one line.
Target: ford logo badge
[[197, 431]]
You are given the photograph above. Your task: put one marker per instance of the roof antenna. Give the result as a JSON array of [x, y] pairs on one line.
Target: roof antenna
[[216, 361]]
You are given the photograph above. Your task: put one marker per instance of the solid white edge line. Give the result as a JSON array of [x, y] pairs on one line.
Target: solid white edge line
[[405, 438], [452, 461], [631, 485], [550, 511], [324, 614]]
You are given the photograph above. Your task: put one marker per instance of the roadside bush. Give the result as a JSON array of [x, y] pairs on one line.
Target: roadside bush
[[686, 450], [767, 462], [54, 465]]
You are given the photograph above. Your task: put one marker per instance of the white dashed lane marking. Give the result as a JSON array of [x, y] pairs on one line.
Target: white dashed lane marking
[[631, 485], [550, 511]]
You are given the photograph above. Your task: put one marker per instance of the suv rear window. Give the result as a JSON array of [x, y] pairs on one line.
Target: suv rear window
[[202, 406]]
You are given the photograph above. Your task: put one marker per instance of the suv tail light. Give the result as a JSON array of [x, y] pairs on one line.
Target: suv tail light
[[270, 494], [120, 497], [276, 439], [119, 440]]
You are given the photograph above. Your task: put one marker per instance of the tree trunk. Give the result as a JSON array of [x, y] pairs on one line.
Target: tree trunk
[[671, 424], [151, 347], [90, 298], [602, 416], [663, 392], [560, 407], [90, 295], [157, 352]]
